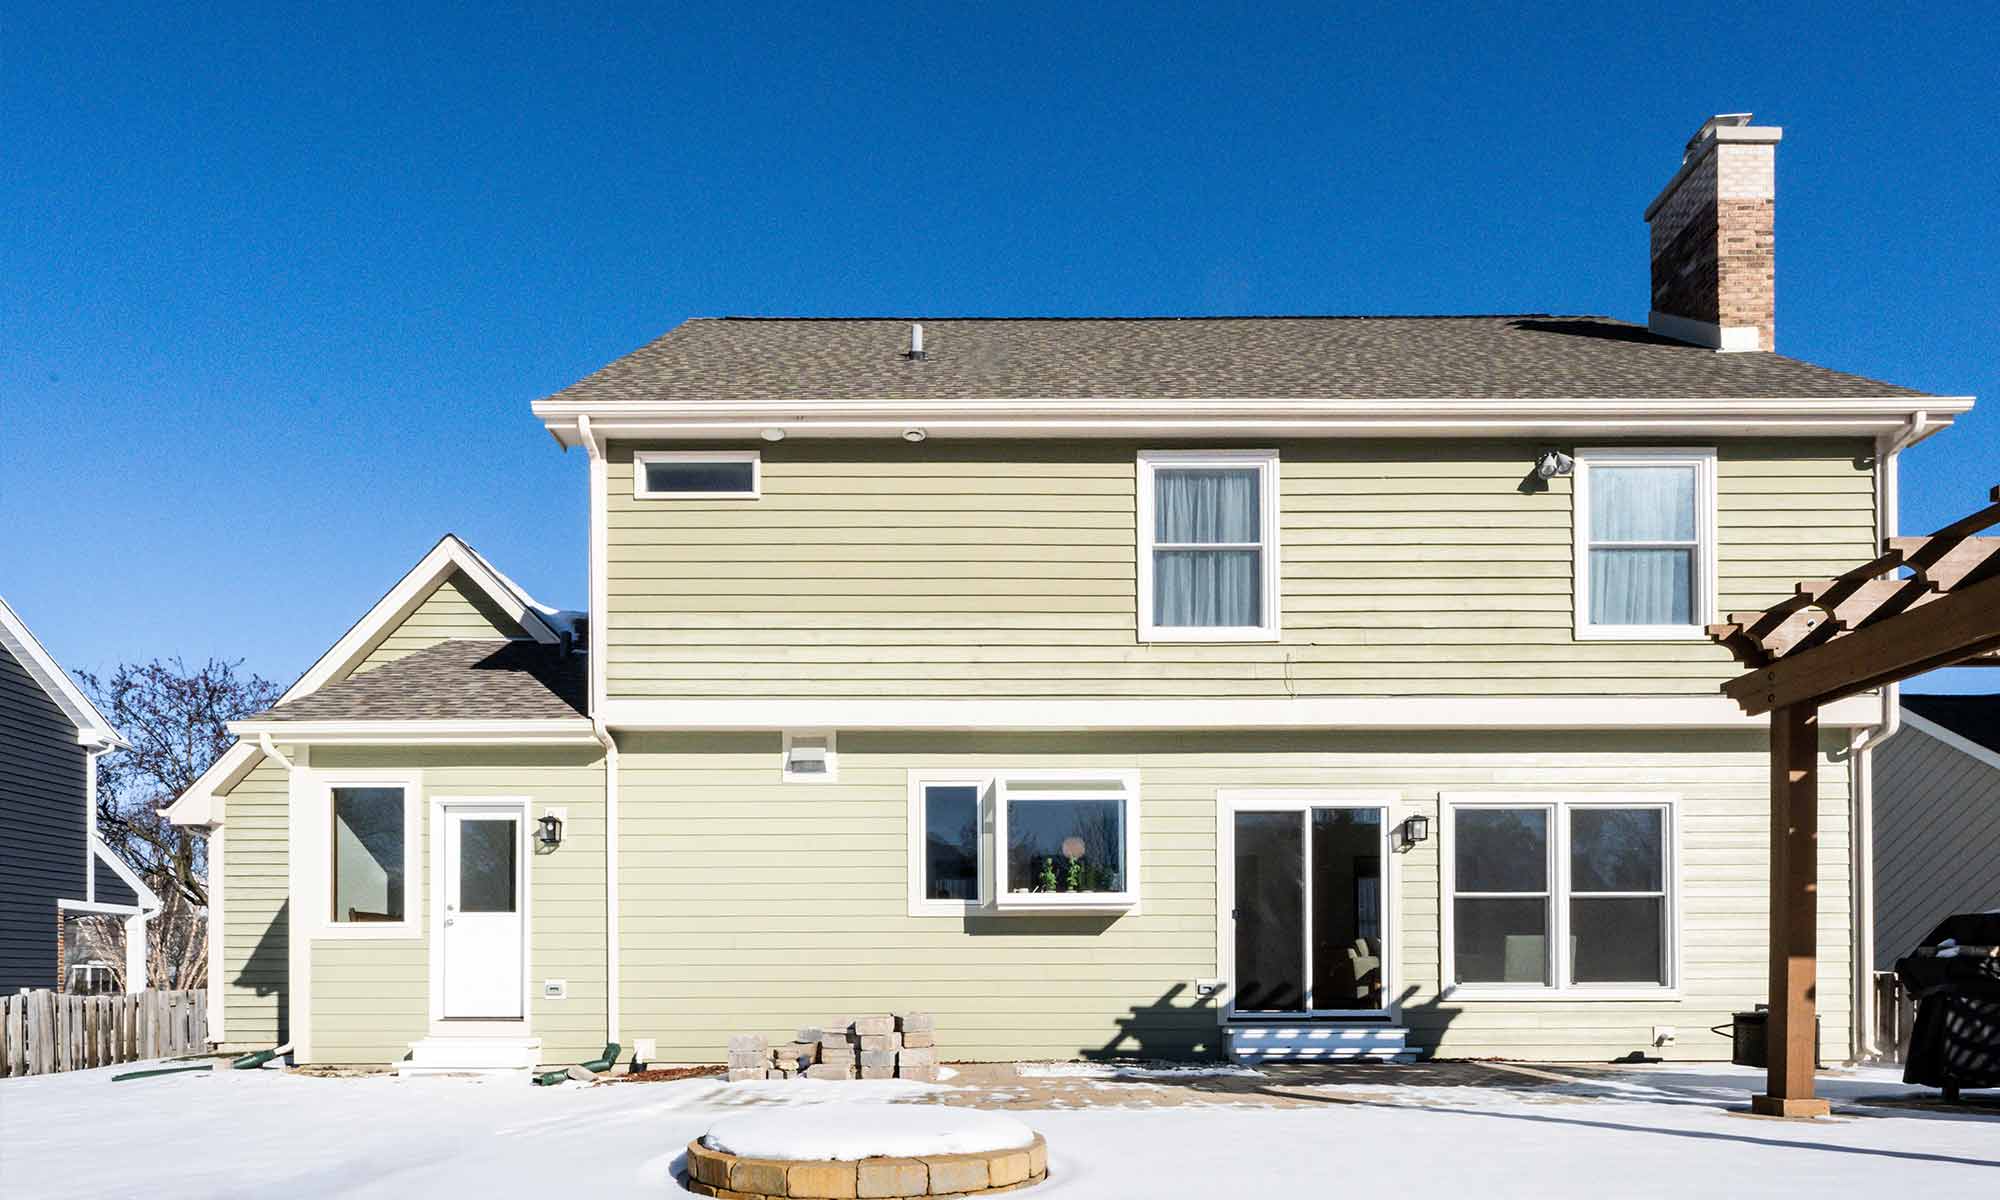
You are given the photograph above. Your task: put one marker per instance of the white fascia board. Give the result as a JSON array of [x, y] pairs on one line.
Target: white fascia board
[[1985, 755], [148, 899], [1116, 417], [1344, 713], [196, 806], [411, 590], [92, 727], [576, 732]]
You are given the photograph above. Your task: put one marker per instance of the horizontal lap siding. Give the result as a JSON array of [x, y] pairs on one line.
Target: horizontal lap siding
[[371, 998], [256, 929], [748, 905], [1937, 840], [42, 854], [874, 569], [456, 610]]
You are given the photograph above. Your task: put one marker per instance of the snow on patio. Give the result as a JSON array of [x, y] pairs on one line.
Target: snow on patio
[[1445, 1130]]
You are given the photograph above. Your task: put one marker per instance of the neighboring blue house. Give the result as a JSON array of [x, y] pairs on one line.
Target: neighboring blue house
[[53, 866]]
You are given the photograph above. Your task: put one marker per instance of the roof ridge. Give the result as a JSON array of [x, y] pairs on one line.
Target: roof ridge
[[1480, 316]]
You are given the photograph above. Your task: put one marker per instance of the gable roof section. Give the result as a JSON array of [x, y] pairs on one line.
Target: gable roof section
[[463, 680], [711, 361], [544, 625], [91, 725], [1972, 719]]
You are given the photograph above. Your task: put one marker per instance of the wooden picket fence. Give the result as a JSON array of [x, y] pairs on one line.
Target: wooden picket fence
[[44, 1031], [1895, 1017]]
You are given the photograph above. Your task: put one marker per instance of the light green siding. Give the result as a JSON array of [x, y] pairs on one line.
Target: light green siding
[[456, 609], [749, 905], [256, 932], [371, 999], [1008, 569]]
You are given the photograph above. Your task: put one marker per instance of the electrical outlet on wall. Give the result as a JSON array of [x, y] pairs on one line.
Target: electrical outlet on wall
[[555, 989], [1208, 987]]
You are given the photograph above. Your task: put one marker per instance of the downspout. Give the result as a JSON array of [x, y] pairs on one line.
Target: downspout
[[595, 668], [1861, 756]]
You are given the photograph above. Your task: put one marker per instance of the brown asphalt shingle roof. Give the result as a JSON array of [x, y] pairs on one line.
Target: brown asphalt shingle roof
[[455, 680], [1414, 358]]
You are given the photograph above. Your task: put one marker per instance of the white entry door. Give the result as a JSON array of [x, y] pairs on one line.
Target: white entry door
[[481, 912]]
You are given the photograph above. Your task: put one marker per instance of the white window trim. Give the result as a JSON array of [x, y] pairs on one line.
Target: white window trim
[[832, 774], [1270, 627], [323, 926], [994, 789], [1702, 458], [526, 870], [1559, 805], [922, 905], [1228, 803], [641, 459]]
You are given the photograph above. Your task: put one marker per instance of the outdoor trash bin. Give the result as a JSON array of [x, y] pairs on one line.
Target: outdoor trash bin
[[1955, 977]]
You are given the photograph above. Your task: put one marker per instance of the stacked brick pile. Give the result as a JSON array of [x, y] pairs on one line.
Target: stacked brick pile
[[893, 1046]]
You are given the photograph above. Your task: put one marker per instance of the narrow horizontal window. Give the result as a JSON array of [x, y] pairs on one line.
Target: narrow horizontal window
[[718, 475]]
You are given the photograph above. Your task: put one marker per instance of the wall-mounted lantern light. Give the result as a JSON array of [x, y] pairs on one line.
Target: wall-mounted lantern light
[[1413, 830], [549, 830]]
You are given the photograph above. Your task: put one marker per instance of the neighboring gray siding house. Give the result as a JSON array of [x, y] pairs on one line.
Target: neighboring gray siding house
[[1937, 819], [52, 864]]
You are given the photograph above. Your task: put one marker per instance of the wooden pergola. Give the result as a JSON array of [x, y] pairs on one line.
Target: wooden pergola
[[1868, 627]]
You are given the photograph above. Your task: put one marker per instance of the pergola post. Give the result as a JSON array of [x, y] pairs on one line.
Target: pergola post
[[1792, 1032]]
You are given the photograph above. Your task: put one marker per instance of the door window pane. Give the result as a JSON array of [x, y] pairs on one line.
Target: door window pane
[[1642, 504], [1501, 850], [1270, 911], [1617, 849], [1618, 940], [1347, 908], [367, 854], [1500, 940], [951, 842], [1062, 846], [486, 866]]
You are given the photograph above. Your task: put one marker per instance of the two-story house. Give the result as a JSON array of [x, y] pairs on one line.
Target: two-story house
[[56, 873], [1152, 687]]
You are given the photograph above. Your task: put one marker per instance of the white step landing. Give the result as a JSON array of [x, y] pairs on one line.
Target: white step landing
[[472, 1056], [1311, 1042]]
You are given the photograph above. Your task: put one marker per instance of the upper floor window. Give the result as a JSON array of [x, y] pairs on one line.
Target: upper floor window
[[1645, 542], [1208, 545], [696, 475]]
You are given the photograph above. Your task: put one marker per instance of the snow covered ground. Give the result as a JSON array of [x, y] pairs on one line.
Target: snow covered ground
[[1663, 1131]]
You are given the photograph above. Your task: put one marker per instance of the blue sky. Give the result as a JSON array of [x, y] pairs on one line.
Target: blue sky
[[277, 287]]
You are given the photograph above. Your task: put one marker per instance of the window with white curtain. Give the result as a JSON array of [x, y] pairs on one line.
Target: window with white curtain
[[1208, 546], [1645, 542]]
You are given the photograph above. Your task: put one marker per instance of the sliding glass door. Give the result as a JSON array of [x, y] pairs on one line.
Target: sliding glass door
[[1310, 914]]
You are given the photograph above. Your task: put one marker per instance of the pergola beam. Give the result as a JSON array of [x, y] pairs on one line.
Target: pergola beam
[[1955, 626]]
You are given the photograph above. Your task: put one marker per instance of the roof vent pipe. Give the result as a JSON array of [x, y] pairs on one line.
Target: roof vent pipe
[[916, 341]]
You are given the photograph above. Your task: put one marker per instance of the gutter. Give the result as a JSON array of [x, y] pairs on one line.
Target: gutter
[[1861, 754], [594, 663]]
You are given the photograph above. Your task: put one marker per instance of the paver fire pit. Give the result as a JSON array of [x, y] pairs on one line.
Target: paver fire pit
[[879, 1150]]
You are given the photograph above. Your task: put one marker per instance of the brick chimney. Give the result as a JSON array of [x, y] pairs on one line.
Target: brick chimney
[[1713, 249]]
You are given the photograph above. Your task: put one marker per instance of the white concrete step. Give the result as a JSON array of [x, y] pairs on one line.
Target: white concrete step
[[472, 1056], [1251, 1044]]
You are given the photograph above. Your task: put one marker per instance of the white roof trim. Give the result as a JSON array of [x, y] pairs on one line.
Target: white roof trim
[[450, 554], [91, 725], [196, 806], [553, 731], [148, 899], [1985, 755]]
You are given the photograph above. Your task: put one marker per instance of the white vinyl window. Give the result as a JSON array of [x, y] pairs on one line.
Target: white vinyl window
[[697, 475], [1645, 539], [1208, 545], [1024, 842], [1569, 896], [370, 857]]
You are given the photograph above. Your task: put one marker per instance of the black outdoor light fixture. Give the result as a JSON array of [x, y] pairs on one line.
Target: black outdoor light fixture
[[1414, 830], [549, 832]]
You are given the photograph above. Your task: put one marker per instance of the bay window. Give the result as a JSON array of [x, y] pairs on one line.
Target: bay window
[[1559, 895], [1062, 841]]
